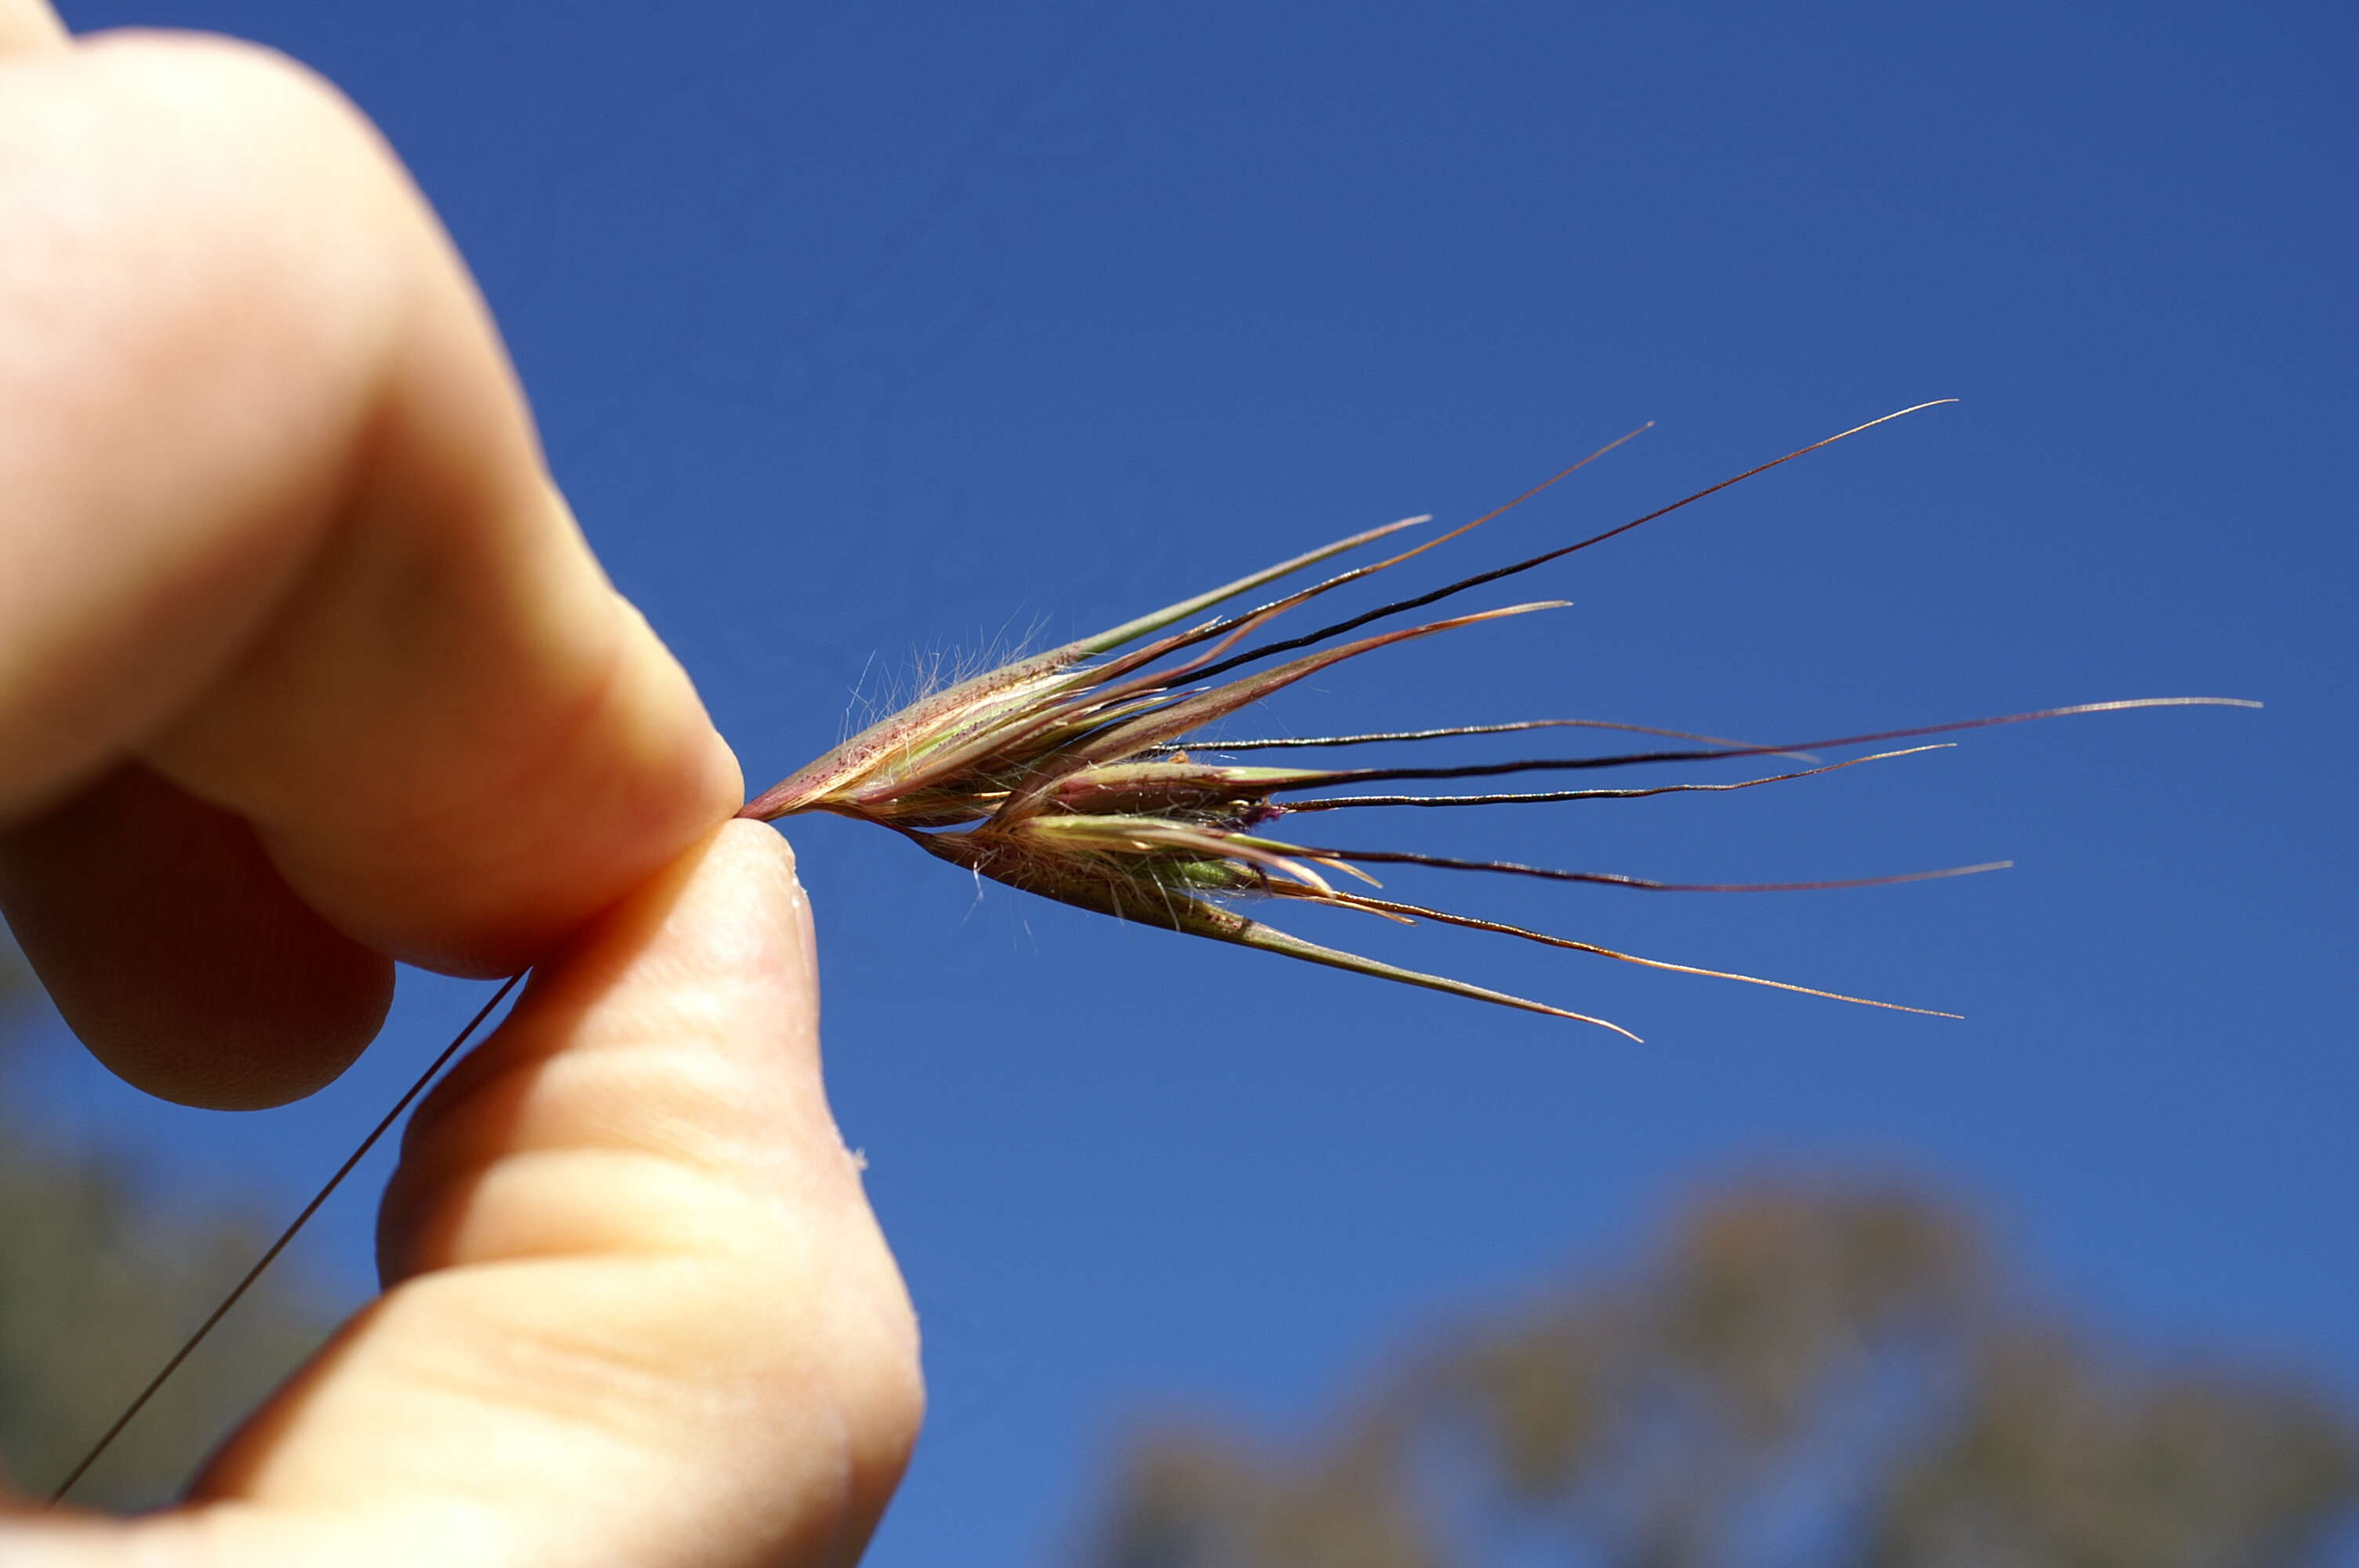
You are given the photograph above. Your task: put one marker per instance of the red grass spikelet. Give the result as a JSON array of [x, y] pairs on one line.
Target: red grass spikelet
[[1062, 774]]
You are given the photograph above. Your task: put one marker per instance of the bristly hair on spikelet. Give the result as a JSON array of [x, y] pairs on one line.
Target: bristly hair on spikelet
[[1062, 774]]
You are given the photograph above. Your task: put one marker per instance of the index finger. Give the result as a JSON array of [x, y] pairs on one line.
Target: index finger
[[279, 529]]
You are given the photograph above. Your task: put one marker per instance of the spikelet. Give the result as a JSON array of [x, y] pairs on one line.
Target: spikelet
[[1062, 774]]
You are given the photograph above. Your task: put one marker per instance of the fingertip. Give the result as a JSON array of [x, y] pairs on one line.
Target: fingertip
[[716, 953], [682, 1024], [732, 908], [478, 852], [766, 898]]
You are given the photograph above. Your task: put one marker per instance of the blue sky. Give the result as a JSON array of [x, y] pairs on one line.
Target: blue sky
[[862, 336]]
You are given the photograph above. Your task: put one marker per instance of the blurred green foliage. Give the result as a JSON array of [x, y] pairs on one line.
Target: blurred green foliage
[[97, 1288], [1840, 1379], [1834, 1377]]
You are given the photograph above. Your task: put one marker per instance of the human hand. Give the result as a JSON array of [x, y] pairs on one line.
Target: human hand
[[304, 668]]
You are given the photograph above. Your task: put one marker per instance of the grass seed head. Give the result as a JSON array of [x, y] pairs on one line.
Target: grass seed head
[[1063, 774]]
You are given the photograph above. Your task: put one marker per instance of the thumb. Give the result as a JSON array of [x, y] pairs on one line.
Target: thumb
[[637, 1308]]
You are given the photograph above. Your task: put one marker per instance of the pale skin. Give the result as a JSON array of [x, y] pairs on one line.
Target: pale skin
[[304, 669]]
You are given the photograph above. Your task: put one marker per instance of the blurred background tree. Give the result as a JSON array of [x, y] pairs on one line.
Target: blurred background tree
[[1838, 1377], [98, 1285]]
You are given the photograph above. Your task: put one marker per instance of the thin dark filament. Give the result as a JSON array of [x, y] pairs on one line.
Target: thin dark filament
[[1628, 759], [1614, 878], [1236, 627], [1338, 802], [286, 1235], [1100, 694], [1479, 579], [1275, 744]]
